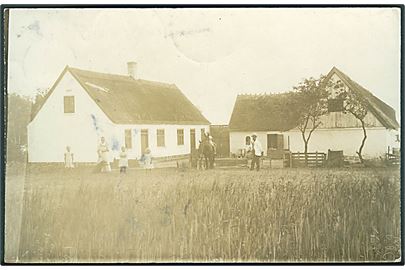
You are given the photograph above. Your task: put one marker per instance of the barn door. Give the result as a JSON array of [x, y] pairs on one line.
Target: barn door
[[192, 140], [144, 140]]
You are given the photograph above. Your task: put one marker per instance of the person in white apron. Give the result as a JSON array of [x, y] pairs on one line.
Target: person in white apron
[[103, 155], [68, 158]]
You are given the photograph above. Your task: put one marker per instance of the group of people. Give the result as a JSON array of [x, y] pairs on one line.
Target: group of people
[[103, 162], [201, 158], [255, 150]]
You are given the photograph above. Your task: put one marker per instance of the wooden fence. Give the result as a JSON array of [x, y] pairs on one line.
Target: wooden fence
[[393, 159], [316, 159]]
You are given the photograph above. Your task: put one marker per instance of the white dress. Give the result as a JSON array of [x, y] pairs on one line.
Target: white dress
[[103, 152], [148, 161], [68, 160], [123, 160]]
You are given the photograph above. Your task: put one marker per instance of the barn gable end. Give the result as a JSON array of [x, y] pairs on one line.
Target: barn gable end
[[384, 113], [273, 112]]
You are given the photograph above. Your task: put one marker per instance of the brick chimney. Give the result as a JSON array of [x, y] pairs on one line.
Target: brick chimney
[[132, 70]]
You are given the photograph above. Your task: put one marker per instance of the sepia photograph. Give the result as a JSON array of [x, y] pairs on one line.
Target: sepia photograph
[[202, 134]]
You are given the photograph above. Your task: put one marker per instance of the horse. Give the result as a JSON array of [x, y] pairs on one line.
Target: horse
[[207, 150]]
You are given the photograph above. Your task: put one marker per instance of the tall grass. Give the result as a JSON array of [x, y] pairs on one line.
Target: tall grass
[[215, 216]]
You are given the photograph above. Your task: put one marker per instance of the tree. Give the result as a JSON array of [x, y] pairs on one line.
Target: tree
[[310, 105], [18, 117], [355, 104]]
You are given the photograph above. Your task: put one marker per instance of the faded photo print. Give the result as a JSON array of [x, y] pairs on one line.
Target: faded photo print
[[202, 135]]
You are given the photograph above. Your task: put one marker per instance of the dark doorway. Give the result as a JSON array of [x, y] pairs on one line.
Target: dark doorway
[[275, 141], [192, 140], [220, 134], [144, 140]]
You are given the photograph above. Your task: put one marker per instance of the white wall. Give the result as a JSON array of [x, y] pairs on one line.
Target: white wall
[[348, 140], [52, 130], [392, 140], [171, 147]]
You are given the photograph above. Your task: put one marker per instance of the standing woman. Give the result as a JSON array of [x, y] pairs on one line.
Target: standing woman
[[68, 158], [103, 158]]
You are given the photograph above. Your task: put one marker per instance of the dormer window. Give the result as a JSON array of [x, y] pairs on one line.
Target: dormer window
[[69, 104], [335, 105]]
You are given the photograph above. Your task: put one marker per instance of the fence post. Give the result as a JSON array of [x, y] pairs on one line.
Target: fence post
[[316, 159]]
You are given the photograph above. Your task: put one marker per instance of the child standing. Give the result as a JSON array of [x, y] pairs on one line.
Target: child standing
[[147, 159], [123, 163], [68, 158]]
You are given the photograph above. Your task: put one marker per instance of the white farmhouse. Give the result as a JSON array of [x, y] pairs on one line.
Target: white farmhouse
[[83, 106], [269, 117]]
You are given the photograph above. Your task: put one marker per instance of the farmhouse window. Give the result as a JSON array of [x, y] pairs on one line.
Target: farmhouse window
[[180, 137], [247, 140], [335, 105], [128, 138], [160, 135], [69, 104], [202, 133]]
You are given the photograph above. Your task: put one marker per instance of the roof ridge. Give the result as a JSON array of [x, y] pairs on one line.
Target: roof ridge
[[121, 76], [97, 72], [270, 94], [171, 85]]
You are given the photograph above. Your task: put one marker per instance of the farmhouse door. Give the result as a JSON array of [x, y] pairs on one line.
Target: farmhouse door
[[192, 140], [144, 140]]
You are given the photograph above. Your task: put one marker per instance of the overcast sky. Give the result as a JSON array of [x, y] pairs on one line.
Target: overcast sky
[[210, 54]]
